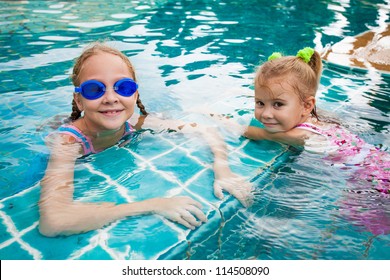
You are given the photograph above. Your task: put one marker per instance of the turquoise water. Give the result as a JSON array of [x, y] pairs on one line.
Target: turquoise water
[[189, 56]]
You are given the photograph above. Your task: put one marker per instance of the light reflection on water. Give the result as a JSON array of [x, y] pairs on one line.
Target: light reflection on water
[[188, 53], [304, 210]]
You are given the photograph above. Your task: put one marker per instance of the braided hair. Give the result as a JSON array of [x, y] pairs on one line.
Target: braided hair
[[91, 50]]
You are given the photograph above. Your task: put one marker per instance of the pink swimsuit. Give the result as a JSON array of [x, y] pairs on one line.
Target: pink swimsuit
[[373, 165], [84, 140]]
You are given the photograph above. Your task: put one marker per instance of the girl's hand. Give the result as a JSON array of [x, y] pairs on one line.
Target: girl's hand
[[234, 184], [182, 209]]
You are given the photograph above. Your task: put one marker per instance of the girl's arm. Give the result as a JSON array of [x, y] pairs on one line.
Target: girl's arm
[[294, 137], [225, 179], [61, 215]]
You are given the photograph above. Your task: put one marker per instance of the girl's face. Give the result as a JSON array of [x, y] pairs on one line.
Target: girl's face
[[112, 110], [279, 108]]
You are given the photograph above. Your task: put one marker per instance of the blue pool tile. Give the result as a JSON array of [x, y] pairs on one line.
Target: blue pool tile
[[203, 186], [245, 166], [149, 146], [58, 248], [23, 209], [209, 249], [4, 234], [93, 185], [147, 184], [199, 149], [144, 237], [205, 241], [116, 162], [15, 252], [197, 240], [97, 253], [178, 164], [96, 189], [265, 151]]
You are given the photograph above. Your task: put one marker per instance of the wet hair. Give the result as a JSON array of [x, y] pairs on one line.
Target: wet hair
[[91, 50], [303, 77]]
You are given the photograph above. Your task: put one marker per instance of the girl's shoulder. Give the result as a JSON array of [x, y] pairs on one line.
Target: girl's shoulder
[[316, 138], [330, 137], [68, 134], [60, 136], [63, 140], [329, 130], [325, 129]]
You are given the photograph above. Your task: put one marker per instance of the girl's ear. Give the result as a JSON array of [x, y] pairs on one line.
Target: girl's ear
[[77, 99], [309, 104]]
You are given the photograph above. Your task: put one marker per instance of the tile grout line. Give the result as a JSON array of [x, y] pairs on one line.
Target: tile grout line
[[11, 228]]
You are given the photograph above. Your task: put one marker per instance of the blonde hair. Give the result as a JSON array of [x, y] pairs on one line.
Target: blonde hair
[[91, 50], [305, 77]]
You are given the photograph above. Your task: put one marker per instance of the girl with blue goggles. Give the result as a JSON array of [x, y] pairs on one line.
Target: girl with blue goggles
[[103, 124]]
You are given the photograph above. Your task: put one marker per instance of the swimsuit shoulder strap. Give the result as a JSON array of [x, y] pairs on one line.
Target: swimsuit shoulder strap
[[311, 127], [84, 140], [80, 137], [128, 129]]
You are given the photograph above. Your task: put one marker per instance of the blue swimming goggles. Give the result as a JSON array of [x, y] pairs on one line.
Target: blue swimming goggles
[[93, 89]]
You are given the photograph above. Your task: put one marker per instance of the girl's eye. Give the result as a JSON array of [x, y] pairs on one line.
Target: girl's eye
[[259, 103], [278, 104]]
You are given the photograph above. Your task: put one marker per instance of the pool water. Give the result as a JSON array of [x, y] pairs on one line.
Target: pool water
[[190, 56]]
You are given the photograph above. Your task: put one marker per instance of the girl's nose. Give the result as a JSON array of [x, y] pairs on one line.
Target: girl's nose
[[110, 96], [267, 113]]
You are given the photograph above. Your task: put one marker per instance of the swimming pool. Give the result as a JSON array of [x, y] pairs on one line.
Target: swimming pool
[[186, 53]]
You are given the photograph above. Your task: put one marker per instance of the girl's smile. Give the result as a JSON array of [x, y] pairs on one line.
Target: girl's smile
[[111, 113]]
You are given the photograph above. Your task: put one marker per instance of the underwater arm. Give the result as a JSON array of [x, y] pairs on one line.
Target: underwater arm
[[294, 137], [61, 215], [225, 178]]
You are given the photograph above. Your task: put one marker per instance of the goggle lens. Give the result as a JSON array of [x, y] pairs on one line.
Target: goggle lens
[[126, 87]]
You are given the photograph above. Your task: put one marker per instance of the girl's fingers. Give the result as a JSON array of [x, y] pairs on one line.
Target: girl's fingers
[[198, 213], [185, 223], [242, 192], [196, 203], [187, 216], [218, 190], [246, 200], [176, 217]]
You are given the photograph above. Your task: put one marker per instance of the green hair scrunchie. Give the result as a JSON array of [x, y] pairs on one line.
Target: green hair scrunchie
[[274, 55], [305, 54]]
